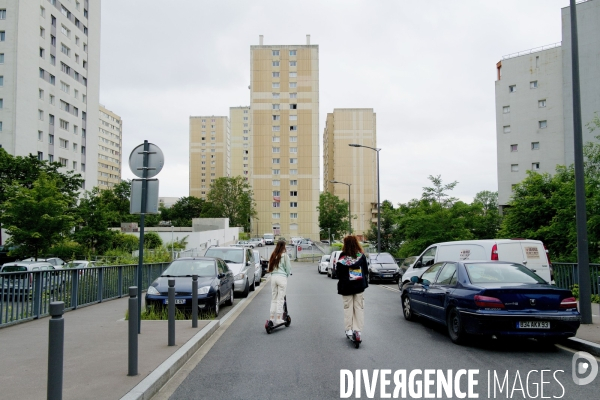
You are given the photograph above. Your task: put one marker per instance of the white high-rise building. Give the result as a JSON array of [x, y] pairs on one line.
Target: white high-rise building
[[534, 105], [49, 82]]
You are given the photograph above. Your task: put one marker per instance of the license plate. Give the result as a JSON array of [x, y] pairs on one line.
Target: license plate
[[177, 301], [533, 325], [387, 276]]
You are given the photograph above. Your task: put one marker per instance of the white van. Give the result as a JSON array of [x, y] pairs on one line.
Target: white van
[[269, 238], [528, 252]]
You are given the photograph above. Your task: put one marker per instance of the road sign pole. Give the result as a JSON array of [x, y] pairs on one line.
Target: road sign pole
[[142, 215]]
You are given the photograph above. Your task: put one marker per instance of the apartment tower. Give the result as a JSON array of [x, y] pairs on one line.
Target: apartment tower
[[110, 142], [284, 114], [355, 167], [49, 82], [239, 119], [534, 105], [209, 152]]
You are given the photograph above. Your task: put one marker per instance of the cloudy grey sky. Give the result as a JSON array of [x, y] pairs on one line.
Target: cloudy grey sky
[[427, 68]]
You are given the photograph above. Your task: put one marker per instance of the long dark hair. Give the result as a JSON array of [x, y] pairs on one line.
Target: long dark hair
[[351, 246], [276, 256]]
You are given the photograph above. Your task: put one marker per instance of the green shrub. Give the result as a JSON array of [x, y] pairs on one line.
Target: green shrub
[[244, 235], [152, 240], [162, 313], [575, 291], [67, 250], [125, 241]]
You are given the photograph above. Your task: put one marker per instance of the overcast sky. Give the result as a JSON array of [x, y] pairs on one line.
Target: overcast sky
[[426, 67]]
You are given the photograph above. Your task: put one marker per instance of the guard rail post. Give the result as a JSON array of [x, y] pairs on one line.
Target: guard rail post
[[56, 343], [133, 334], [171, 312]]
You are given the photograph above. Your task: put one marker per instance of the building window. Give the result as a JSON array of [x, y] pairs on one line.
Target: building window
[[293, 150], [505, 109], [293, 172], [63, 161], [82, 167], [506, 129], [64, 125], [293, 106], [514, 147], [65, 31], [293, 74], [1, 58], [64, 49], [292, 52], [275, 95], [42, 32], [293, 215], [535, 166], [275, 182], [64, 87], [74, 165], [512, 88], [293, 161], [514, 168], [1, 103], [293, 127], [40, 115], [275, 52], [42, 12], [275, 215], [275, 74], [63, 143], [293, 193], [2, 36], [275, 106], [276, 117], [276, 193], [40, 156], [293, 182], [293, 95], [543, 124], [42, 52], [3, 13], [276, 171], [52, 60], [1, 80], [75, 147], [293, 84], [51, 99], [51, 119], [50, 158], [275, 85], [542, 103], [535, 145], [293, 139], [293, 204], [292, 63], [40, 136], [533, 85], [276, 160], [276, 63], [275, 149], [275, 128]]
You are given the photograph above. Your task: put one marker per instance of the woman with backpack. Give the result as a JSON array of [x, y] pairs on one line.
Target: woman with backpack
[[280, 268]]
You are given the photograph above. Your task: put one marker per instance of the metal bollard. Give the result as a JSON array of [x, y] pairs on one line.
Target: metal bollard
[[133, 332], [56, 343], [194, 301], [171, 312]]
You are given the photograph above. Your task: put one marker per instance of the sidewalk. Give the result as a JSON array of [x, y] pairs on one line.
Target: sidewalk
[[588, 336]]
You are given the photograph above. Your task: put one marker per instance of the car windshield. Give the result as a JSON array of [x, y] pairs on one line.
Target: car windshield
[[383, 258], [13, 268], [325, 258], [408, 261], [191, 267], [501, 273], [235, 256]]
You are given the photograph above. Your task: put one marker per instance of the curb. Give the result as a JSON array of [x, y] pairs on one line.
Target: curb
[[152, 384], [582, 345]]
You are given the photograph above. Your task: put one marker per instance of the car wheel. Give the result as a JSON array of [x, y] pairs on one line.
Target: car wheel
[[455, 327], [407, 309], [246, 289], [229, 301], [253, 287], [216, 307], [369, 280]]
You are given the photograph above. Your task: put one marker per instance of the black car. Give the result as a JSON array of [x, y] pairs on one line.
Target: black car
[[264, 265], [383, 267], [215, 284]]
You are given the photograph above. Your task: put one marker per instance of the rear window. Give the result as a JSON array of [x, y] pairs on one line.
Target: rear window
[[235, 256], [383, 258], [14, 268], [191, 267], [501, 273]]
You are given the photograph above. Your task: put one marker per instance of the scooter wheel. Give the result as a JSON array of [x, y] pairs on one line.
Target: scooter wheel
[[288, 321], [356, 344]]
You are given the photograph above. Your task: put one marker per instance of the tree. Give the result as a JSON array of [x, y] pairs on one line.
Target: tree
[[184, 210], [486, 218], [152, 240], [333, 214], [231, 197], [39, 217], [438, 191], [93, 219], [390, 235]]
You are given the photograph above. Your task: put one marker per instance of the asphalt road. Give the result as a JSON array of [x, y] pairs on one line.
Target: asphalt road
[[305, 360]]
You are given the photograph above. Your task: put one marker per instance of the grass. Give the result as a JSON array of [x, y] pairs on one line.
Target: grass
[[162, 314]]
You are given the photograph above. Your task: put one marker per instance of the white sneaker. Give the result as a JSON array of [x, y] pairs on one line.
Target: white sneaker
[[279, 321], [349, 332]]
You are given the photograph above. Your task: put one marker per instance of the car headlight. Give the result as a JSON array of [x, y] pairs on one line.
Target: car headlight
[[203, 290], [152, 290], [239, 276]]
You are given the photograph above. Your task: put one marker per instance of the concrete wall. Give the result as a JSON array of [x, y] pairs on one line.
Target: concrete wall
[[196, 240]]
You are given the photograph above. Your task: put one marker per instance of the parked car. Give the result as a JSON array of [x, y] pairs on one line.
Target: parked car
[[57, 262], [241, 262], [244, 243], [269, 238], [332, 262], [530, 253], [257, 267], [264, 265], [383, 267], [4, 257], [323, 264], [258, 242], [295, 239], [404, 266], [215, 284], [22, 285], [491, 298], [81, 264], [325, 241], [305, 244]]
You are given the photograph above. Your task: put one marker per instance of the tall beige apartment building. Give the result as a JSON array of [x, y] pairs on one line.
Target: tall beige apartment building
[[353, 166], [209, 152], [110, 142], [284, 113], [239, 119]]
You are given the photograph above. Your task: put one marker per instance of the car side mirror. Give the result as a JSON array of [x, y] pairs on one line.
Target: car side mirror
[[425, 282], [220, 275], [414, 279]]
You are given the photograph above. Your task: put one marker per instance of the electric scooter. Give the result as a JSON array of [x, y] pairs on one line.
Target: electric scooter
[[355, 338], [287, 320]]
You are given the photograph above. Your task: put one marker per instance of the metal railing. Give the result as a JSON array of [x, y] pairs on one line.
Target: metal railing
[[530, 51], [26, 295], [566, 275]]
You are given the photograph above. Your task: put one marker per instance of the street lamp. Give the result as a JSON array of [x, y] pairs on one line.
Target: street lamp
[[378, 211], [349, 203]]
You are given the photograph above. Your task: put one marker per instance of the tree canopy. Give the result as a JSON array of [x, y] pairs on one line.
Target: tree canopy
[[333, 214], [231, 197]]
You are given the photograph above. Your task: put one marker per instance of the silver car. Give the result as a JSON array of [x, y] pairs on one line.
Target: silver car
[[258, 267], [323, 264], [240, 261]]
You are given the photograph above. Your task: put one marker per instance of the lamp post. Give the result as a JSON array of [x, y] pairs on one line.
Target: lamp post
[[349, 205], [378, 202]]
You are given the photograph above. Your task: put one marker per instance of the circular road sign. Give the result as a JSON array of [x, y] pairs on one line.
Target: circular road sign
[[156, 160]]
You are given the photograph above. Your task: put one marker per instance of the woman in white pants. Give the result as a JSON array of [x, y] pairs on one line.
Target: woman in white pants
[[280, 268]]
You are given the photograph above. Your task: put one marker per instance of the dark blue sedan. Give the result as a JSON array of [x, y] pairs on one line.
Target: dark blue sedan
[[215, 284], [491, 298]]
